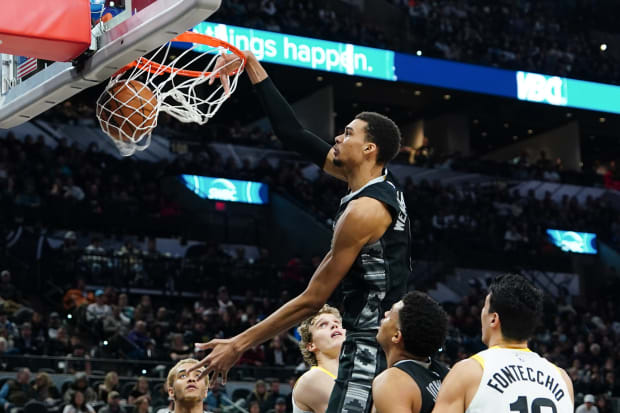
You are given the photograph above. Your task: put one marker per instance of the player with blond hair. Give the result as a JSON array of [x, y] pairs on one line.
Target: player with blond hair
[[322, 336], [186, 388]]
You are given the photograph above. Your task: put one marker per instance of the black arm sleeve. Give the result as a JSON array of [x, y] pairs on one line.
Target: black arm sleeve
[[287, 127]]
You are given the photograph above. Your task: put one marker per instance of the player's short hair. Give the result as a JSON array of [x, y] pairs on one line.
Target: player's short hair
[[172, 374], [383, 132], [519, 305], [423, 324], [306, 335]]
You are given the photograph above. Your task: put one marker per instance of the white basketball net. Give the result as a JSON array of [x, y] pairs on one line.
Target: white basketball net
[[176, 94]]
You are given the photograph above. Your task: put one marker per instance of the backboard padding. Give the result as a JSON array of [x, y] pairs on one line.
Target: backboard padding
[[140, 33]]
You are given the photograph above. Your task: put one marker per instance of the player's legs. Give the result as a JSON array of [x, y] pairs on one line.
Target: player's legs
[[361, 360]]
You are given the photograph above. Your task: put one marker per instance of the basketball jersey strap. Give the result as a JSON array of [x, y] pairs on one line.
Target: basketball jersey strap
[[324, 370], [427, 376]]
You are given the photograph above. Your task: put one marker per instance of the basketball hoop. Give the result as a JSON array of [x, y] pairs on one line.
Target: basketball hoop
[[174, 81]]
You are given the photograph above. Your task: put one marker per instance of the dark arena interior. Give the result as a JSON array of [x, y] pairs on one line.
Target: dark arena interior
[[510, 119]]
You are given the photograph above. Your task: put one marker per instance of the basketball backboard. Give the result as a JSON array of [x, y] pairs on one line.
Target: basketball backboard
[[142, 27]]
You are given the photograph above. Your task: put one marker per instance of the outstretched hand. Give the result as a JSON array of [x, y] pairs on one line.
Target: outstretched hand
[[223, 356], [226, 65]]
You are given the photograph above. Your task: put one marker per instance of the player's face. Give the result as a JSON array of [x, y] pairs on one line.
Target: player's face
[[390, 325], [327, 335], [350, 146], [187, 387]]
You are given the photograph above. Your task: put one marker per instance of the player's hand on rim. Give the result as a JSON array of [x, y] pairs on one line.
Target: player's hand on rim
[[226, 65], [223, 356]]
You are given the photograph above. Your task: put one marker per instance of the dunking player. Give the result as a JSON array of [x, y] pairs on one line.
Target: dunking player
[[322, 336], [187, 389], [411, 332], [507, 376], [370, 248]]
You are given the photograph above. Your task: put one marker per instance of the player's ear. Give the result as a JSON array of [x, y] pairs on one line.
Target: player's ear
[[311, 347], [171, 393], [494, 320], [397, 337], [369, 147]]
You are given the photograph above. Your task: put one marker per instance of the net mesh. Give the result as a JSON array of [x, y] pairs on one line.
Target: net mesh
[[179, 86]]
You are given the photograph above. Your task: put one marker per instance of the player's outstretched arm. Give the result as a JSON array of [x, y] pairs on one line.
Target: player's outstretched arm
[[283, 119], [392, 392], [458, 387], [365, 219]]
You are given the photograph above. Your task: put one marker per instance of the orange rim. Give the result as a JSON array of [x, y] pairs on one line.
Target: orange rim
[[187, 37]]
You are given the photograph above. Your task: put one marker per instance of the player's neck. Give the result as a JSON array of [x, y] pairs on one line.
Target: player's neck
[[397, 354], [328, 363], [503, 343], [188, 407], [361, 174]]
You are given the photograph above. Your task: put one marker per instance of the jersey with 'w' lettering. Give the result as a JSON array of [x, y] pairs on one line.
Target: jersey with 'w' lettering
[[520, 381], [378, 277]]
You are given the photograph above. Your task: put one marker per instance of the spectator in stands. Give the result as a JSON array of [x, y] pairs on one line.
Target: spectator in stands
[[114, 404], [588, 405], [71, 191], [4, 347], [280, 406], [16, 393], [9, 326], [274, 393], [178, 349], [277, 353], [223, 299], [76, 297], [45, 389], [78, 404], [260, 396], [80, 362], [59, 346], [161, 397], [110, 384], [217, 398], [80, 385], [25, 343], [94, 256], [141, 389], [116, 323], [54, 325], [8, 291], [138, 338], [123, 304], [142, 404], [254, 407], [99, 310]]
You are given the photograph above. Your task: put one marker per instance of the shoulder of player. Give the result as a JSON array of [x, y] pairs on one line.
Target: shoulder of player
[[466, 370], [312, 380], [390, 377], [311, 384], [394, 386], [392, 381], [366, 208]]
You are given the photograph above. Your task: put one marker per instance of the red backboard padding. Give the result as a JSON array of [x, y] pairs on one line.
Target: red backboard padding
[[56, 30]]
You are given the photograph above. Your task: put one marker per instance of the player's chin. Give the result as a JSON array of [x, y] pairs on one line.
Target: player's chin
[[338, 163], [192, 397]]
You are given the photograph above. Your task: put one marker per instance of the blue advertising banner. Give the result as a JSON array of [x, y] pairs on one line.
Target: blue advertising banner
[[571, 241], [230, 190], [305, 52], [354, 60]]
